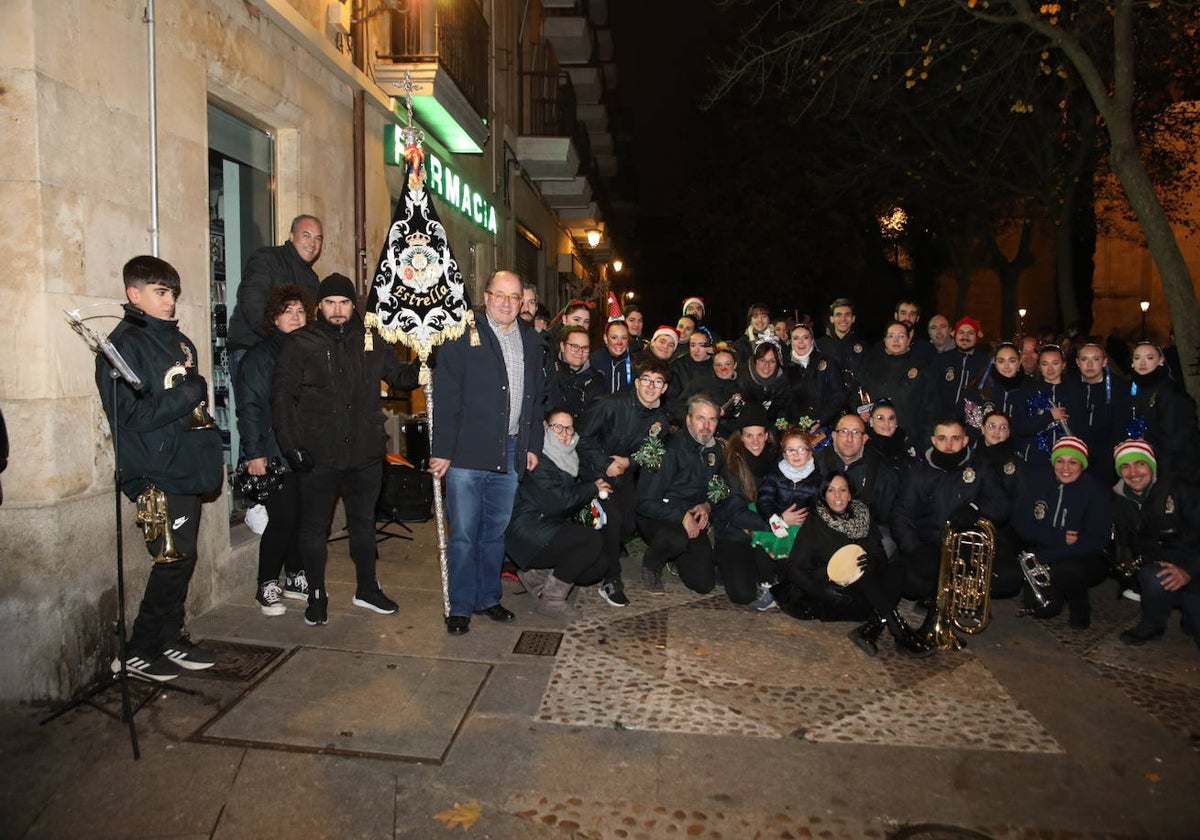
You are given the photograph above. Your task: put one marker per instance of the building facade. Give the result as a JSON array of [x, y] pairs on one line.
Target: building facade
[[197, 129]]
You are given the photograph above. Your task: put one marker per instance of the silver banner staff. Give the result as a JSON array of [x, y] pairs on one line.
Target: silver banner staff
[[417, 295]]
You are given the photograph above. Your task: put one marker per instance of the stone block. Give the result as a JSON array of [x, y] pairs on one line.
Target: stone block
[[18, 129]]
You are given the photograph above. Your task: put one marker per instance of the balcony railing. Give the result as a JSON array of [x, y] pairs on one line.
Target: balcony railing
[[451, 32], [548, 99]]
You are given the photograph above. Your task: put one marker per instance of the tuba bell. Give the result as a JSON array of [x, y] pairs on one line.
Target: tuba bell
[[155, 522], [964, 586], [201, 419]]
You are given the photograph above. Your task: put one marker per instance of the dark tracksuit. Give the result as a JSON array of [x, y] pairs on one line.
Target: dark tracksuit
[[157, 447]]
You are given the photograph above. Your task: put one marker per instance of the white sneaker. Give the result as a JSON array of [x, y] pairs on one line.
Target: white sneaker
[[1132, 595], [765, 600]]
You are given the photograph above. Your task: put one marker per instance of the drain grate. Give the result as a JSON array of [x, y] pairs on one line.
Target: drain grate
[[236, 661], [538, 643]]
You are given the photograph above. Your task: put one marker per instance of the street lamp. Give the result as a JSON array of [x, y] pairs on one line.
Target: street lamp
[[617, 266], [1021, 323], [1145, 306], [593, 237], [629, 295]]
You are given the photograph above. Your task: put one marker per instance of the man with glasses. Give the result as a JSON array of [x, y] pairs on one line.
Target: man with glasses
[[490, 390], [611, 429], [876, 480], [571, 381]]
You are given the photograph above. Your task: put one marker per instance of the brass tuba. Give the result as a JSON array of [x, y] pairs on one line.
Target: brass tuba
[[201, 419], [155, 522], [964, 586]]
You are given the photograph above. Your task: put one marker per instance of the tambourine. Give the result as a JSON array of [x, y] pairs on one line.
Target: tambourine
[[843, 568]]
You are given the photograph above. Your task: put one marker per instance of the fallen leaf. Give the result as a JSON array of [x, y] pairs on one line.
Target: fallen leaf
[[460, 815], [701, 652], [1153, 778]]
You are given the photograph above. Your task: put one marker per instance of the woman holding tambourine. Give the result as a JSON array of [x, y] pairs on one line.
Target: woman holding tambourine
[[838, 571]]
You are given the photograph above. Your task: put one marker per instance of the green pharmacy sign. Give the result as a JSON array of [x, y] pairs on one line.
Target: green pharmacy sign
[[444, 181]]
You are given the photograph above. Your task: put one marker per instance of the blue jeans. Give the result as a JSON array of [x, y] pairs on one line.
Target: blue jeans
[[479, 503]]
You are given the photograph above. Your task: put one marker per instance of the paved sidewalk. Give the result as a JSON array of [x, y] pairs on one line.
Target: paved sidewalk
[[679, 716]]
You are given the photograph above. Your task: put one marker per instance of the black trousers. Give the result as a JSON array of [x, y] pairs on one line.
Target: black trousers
[[924, 566], [698, 559], [575, 553], [1070, 580], [279, 547], [319, 491], [159, 621]]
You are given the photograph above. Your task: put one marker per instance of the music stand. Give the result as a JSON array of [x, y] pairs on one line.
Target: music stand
[[120, 370]]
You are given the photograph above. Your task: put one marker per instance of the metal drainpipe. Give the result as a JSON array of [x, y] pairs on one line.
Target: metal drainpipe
[[492, 129], [359, 31], [152, 65]]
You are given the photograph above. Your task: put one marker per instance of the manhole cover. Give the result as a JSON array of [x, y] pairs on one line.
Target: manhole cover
[[236, 661], [538, 643]]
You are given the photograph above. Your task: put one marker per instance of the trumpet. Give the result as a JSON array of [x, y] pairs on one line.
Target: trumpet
[[964, 586], [155, 522], [201, 419]]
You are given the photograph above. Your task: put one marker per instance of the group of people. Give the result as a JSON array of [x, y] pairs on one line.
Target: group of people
[[748, 464]]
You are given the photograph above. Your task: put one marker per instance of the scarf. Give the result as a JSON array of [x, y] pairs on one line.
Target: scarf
[[854, 523], [801, 360], [563, 457], [947, 460], [1149, 380], [793, 474]]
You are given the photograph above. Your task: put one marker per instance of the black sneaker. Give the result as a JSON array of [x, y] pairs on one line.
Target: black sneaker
[[186, 655], [160, 669], [613, 591], [295, 586], [375, 600], [270, 598], [317, 611]]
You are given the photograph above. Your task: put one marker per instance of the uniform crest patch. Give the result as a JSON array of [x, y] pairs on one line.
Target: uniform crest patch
[[968, 475], [1009, 468], [912, 373], [1039, 511], [949, 374], [1169, 507]]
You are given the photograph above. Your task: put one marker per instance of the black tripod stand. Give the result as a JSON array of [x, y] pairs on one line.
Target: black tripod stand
[[120, 677]]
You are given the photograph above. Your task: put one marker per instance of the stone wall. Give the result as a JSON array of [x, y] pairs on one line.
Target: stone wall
[[76, 205]]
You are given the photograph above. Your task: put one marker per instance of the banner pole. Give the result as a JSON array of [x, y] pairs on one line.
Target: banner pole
[[439, 509]]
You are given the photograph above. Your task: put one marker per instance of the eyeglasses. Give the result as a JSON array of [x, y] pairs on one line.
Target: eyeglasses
[[652, 383], [796, 450], [561, 429], [581, 347], [848, 432], [500, 297], [996, 427]]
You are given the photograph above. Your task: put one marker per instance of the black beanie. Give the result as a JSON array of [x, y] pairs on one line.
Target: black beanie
[[337, 285]]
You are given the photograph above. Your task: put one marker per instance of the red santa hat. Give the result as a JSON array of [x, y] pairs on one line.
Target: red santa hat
[[669, 332]]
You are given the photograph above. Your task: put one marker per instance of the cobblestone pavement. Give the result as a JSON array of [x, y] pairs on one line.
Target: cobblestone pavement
[[679, 716]]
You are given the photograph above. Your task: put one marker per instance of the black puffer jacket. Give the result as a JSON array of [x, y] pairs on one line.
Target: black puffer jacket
[[1169, 414], [157, 445], [277, 265], [901, 380], [547, 499], [1161, 526], [325, 393], [682, 482], [930, 494], [818, 390], [253, 392], [616, 424], [573, 390]]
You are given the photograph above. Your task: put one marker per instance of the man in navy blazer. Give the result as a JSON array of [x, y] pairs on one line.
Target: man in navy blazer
[[489, 395]]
